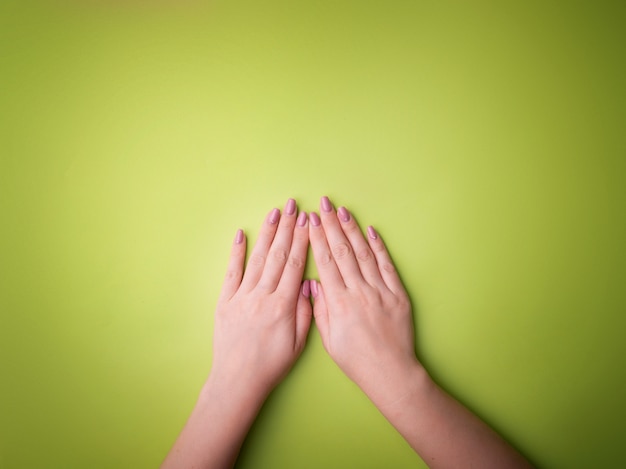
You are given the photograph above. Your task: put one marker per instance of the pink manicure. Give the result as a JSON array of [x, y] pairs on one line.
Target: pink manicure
[[371, 232], [343, 213], [326, 205], [301, 219], [306, 289], [290, 208], [314, 289], [274, 216], [315, 220], [239, 237]]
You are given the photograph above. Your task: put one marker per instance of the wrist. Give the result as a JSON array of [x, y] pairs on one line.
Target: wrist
[[400, 382], [233, 393], [223, 414]]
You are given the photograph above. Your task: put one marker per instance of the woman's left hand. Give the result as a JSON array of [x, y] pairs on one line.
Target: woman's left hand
[[264, 313]]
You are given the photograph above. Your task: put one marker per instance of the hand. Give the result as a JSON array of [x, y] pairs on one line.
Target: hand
[[261, 323], [361, 309], [263, 314], [364, 318]]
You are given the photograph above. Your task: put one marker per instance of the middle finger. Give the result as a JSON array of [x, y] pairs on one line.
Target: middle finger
[[340, 246], [279, 249]]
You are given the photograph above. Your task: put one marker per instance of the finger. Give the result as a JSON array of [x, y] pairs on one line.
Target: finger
[[320, 312], [364, 255], [385, 265], [289, 283], [279, 250], [234, 272], [340, 247], [326, 266], [257, 260], [303, 315]]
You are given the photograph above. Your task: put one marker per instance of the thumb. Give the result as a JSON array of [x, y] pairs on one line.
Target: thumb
[[303, 315], [320, 311]]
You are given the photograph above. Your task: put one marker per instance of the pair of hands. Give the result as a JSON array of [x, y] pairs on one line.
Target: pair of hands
[[364, 318], [360, 306]]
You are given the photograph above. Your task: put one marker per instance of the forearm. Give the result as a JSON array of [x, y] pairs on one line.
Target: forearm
[[442, 431], [217, 427]]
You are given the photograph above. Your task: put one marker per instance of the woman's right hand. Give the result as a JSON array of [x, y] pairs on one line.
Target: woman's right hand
[[361, 308]]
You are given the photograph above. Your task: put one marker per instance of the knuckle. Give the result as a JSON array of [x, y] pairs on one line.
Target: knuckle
[[325, 258], [372, 296], [296, 262], [378, 247], [364, 255], [233, 274], [341, 251], [280, 255], [257, 260], [279, 307], [404, 304], [351, 227], [388, 267], [284, 304], [399, 304]]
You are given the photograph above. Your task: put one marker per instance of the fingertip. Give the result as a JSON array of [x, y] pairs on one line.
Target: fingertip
[[371, 233], [326, 205], [302, 219], [290, 207], [274, 216], [314, 288], [315, 219], [343, 214], [239, 237], [306, 289], [304, 315]]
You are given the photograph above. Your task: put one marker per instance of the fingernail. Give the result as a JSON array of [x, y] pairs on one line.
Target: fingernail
[[274, 216], [315, 220], [371, 232], [301, 219], [306, 288], [314, 290], [326, 205], [343, 213], [290, 208], [239, 237]]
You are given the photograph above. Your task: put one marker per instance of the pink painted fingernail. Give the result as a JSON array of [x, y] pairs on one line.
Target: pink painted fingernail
[[239, 237], [301, 219], [314, 289], [371, 232], [274, 216], [290, 208], [326, 205], [306, 288], [315, 220], [343, 214]]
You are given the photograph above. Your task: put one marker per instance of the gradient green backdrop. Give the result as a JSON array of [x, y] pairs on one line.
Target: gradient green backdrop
[[484, 140]]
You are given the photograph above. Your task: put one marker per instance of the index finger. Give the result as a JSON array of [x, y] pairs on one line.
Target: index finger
[[327, 269], [340, 247], [291, 278]]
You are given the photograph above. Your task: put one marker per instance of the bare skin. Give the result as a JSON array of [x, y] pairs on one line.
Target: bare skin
[[261, 323], [364, 318]]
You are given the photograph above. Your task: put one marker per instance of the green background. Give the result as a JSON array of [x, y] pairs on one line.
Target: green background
[[484, 140]]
